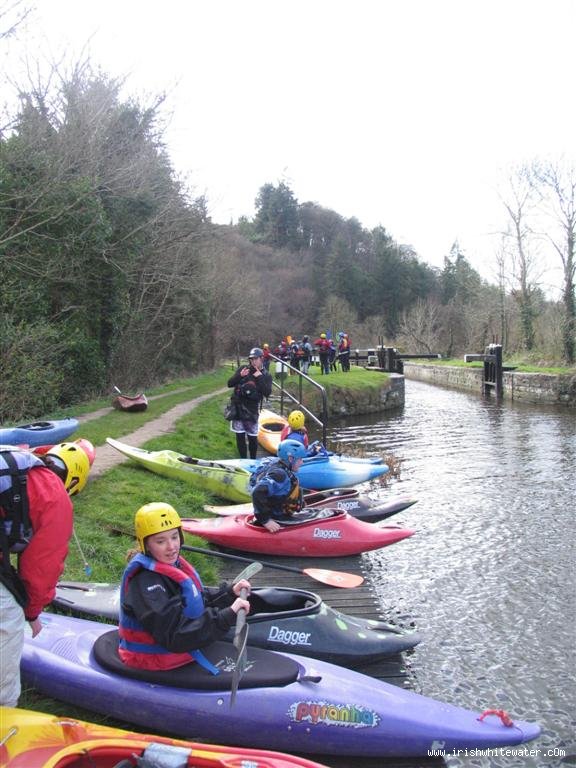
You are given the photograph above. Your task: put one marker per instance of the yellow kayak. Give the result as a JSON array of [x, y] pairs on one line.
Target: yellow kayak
[[38, 740], [270, 425]]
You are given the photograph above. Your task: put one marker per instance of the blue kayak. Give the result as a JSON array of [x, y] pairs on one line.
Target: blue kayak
[[39, 433], [326, 471], [298, 704]]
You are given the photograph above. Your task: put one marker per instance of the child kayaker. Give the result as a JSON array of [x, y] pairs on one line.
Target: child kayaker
[[276, 492], [295, 429], [166, 614]]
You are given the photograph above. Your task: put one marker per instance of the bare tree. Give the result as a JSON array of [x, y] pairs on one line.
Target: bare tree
[[555, 182], [12, 14], [519, 202]]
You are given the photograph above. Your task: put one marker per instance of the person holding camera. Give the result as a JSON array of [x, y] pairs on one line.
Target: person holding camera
[[251, 383]]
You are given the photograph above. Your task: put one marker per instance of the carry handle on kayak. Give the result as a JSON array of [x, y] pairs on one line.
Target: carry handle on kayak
[[332, 578]]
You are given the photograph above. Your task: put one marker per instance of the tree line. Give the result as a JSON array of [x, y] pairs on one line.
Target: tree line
[[112, 272]]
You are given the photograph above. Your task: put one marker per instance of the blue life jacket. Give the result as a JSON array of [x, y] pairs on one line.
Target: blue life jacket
[[135, 642]]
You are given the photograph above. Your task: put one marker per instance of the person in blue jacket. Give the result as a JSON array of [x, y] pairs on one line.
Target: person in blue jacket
[[276, 492]]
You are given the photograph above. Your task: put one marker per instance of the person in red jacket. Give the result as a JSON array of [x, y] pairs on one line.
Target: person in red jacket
[[323, 345], [36, 523]]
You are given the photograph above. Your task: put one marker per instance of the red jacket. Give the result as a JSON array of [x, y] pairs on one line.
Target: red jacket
[[42, 562]]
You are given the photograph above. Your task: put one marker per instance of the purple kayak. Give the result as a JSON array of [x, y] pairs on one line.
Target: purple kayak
[[300, 704]]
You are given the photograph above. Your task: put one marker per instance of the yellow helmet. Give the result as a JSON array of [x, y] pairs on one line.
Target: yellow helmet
[[155, 518], [296, 419], [75, 462], [322, 335]]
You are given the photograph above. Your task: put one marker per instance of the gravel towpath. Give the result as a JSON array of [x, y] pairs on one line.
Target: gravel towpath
[[107, 457]]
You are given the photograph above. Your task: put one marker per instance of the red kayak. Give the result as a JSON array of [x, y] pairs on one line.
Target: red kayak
[[320, 533]]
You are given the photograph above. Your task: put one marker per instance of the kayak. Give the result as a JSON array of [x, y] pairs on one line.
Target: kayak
[[320, 533], [346, 499], [81, 442], [322, 472], [222, 480], [134, 404], [280, 619], [284, 702], [39, 432], [38, 740], [270, 426]]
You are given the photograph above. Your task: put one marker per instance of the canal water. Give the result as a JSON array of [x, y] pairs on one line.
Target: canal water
[[489, 577]]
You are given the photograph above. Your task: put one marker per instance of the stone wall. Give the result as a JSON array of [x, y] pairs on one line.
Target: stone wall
[[357, 401], [528, 387]]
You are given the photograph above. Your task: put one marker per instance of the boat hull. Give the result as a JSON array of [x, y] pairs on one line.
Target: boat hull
[[135, 404], [39, 740], [324, 472], [39, 432], [293, 620], [332, 535], [345, 499], [326, 709], [228, 482]]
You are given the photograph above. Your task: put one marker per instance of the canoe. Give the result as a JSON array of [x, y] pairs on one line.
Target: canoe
[[133, 404], [320, 533], [39, 740], [321, 472], [228, 482], [299, 705], [39, 432], [280, 619], [81, 442], [270, 426], [346, 499]]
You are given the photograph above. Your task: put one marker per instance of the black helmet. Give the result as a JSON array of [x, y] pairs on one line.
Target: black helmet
[[255, 352]]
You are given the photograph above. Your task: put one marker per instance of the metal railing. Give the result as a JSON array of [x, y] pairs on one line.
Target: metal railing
[[286, 395]]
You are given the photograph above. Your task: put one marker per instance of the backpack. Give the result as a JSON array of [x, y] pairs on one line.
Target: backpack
[[16, 529], [15, 526]]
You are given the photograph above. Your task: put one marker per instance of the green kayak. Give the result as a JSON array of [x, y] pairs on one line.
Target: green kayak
[[225, 481]]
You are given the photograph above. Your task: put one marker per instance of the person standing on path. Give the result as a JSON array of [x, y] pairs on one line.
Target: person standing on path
[[251, 383]]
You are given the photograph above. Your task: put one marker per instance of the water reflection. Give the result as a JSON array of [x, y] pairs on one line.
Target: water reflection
[[489, 577]]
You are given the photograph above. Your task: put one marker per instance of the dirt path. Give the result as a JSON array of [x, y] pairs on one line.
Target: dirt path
[[107, 457]]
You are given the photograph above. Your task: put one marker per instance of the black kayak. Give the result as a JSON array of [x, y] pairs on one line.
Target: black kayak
[[282, 619]]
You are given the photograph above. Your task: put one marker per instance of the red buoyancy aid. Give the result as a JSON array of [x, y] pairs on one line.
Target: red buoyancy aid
[[137, 646]]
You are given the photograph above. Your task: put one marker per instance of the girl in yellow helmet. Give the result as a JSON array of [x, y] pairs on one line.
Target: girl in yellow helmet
[[295, 429], [166, 614]]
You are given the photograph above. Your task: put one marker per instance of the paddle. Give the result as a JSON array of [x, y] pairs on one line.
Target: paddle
[[332, 578], [241, 633]]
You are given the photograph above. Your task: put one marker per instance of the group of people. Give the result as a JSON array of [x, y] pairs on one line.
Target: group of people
[[299, 353]]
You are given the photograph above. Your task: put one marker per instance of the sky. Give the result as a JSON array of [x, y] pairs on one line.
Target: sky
[[408, 114]]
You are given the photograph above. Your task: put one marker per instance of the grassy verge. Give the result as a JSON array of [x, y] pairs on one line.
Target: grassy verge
[[519, 365]]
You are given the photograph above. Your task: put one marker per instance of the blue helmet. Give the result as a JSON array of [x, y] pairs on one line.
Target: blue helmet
[[290, 451]]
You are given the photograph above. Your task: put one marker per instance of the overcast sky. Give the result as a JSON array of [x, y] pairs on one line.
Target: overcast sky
[[404, 113]]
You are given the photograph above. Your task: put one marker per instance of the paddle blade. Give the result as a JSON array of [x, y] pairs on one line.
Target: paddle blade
[[335, 578]]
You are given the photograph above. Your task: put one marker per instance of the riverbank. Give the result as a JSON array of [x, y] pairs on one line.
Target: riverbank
[[537, 388]]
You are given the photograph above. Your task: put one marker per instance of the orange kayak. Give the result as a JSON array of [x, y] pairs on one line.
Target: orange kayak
[[37, 740], [270, 426]]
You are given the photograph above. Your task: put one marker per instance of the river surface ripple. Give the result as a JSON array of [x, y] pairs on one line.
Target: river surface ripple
[[489, 576]]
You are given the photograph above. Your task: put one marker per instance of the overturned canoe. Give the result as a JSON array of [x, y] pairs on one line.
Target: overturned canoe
[[133, 404], [280, 619], [38, 740], [299, 704], [320, 533]]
